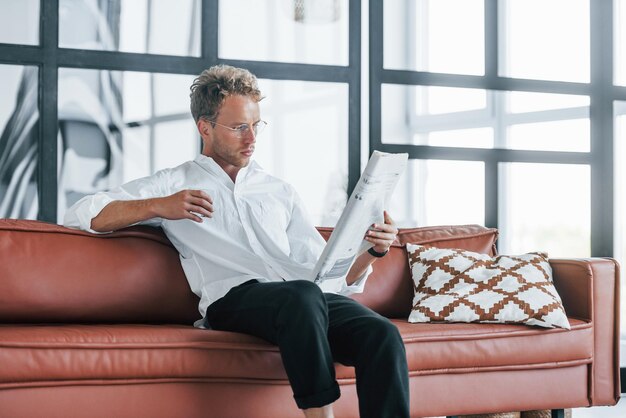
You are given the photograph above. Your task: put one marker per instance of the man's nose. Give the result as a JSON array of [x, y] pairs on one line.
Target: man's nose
[[249, 136]]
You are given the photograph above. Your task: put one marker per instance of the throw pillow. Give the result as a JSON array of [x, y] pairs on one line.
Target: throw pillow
[[462, 286]]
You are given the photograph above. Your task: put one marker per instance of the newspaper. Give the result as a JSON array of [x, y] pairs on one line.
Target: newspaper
[[364, 208]]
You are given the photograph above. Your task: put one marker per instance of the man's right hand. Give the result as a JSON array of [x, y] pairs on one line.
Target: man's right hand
[[186, 204]]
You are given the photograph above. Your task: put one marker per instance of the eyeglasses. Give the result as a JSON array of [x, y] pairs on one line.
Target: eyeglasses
[[244, 129]]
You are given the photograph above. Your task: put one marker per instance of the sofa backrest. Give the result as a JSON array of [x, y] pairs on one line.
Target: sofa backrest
[[49, 273]]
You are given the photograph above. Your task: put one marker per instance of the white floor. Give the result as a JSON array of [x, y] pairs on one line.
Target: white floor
[[617, 411]]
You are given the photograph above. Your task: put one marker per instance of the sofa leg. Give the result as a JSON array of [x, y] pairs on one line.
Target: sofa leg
[[558, 413]]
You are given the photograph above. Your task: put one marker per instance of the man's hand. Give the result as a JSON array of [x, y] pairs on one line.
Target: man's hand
[[382, 236], [186, 204]]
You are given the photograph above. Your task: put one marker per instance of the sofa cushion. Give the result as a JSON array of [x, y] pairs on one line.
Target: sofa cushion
[[453, 285], [49, 273], [48, 355]]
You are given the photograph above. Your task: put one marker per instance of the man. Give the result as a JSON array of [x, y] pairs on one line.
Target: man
[[246, 243]]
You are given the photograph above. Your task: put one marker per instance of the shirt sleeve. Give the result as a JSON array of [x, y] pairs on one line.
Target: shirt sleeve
[[80, 214], [307, 245]]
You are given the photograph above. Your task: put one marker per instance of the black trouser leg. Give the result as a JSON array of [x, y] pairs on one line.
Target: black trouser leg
[[372, 344], [294, 316], [312, 330]]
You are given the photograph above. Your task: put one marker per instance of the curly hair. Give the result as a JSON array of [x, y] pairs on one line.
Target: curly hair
[[210, 88]]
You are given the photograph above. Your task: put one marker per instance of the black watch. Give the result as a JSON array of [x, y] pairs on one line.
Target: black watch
[[375, 253]]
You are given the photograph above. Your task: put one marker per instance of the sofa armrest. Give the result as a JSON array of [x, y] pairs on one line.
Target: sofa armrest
[[589, 289]]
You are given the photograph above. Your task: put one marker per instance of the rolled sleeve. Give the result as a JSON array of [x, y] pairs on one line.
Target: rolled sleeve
[[341, 287], [81, 213], [358, 286], [79, 216]]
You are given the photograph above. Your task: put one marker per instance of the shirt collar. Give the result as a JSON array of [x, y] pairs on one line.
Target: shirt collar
[[211, 166]]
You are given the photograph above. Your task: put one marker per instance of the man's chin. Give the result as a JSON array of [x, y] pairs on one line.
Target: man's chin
[[244, 162]]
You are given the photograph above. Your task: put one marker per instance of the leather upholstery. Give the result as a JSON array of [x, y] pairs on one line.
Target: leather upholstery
[[56, 274], [35, 355], [79, 332]]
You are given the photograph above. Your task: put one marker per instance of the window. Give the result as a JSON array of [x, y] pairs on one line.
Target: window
[[19, 22], [308, 32], [439, 192], [140, 26], [305, 142], [116, 93], [442, 36], [19, 141], [540, 41], [545, 207], [118, 126], [462, 117]]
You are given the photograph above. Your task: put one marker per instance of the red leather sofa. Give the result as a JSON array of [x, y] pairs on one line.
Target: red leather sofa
[[101, 326]]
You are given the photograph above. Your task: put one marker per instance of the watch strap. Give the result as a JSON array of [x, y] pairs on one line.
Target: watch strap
[[375, 253]]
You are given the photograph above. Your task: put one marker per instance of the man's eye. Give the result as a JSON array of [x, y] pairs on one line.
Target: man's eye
[[242, 128]]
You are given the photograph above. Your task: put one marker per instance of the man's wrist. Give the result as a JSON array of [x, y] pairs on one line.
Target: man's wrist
[[377, 254], [152, 209]]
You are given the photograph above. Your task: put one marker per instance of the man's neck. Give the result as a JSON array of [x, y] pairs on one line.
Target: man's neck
[[230, 170]]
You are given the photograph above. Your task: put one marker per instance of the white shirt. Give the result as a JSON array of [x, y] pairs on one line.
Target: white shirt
[[259, 229]]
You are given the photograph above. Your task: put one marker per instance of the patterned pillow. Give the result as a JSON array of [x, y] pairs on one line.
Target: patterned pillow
[[462, 286]]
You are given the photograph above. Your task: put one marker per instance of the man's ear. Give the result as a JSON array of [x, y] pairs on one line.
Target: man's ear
[[203, 127]]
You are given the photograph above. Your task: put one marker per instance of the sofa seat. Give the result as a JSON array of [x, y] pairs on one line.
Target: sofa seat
[[467, 348], [51, 355]]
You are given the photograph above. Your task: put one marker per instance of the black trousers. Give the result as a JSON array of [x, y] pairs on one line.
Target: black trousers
[[313, 329]]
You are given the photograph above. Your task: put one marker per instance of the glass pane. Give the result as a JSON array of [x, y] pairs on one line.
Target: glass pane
[[620, 42], [443, 36], [547, 40], [545, 207], [168, 27], [477, 137], [620, 207], [435, 192], [522, 101], [300, 31], [474, 118], [564, 135], [306, 142], [118, 126], [171, 94], [19, 22], [175, 143], [428, 115], [19, 136]]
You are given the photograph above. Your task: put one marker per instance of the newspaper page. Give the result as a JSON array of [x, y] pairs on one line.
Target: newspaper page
[[364, 208]]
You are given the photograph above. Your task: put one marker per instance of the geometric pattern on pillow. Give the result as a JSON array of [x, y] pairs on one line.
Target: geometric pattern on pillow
[[452, 285]]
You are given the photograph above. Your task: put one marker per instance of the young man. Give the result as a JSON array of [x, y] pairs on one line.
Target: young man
[[246, 243]]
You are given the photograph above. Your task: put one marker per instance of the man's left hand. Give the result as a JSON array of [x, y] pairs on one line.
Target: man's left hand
[[382, 236]]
